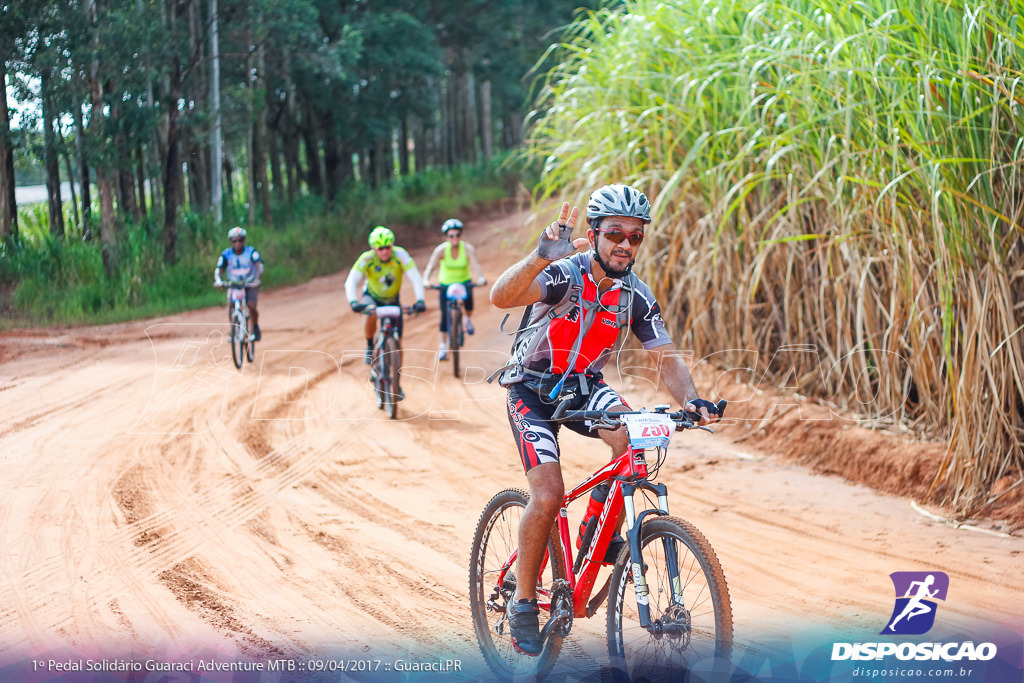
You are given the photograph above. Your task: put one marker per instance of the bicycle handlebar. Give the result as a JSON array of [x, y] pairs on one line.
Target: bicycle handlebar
[[609, 419], [236, 283], [468, 285], [372, 309]]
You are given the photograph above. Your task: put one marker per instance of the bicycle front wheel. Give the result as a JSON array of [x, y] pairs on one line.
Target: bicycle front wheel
[[455, 336], [250, 346], [238, 335], [496, 538], [691, 614], [389, 376]]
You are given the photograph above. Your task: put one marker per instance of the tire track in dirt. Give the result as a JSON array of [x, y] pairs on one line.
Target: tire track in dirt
[[165, 546]]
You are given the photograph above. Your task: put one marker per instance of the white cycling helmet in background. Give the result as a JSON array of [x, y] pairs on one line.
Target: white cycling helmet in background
[[236, 233], [451, 224], [618, 200]]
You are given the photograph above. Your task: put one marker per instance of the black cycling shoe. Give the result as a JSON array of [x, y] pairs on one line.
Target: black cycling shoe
[[615, 546], [524, 625], [256, 333], [368, 356]]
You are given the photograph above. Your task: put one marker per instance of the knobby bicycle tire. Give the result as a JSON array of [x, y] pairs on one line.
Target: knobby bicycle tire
[[250, 345], [389, 376], [455, 336], [238, 335], [697, 635], [377, 373], [497, 535]]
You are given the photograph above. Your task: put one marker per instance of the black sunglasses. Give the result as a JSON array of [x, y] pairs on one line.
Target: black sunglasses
[[454, 233], [617, 236]]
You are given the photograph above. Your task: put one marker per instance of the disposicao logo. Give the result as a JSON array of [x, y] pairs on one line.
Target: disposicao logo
[[916, 596]]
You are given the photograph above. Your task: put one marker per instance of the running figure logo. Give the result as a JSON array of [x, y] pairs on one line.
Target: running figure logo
[[916, 595]]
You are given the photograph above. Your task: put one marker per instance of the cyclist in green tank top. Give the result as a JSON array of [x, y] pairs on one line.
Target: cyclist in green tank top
[[456, 258]]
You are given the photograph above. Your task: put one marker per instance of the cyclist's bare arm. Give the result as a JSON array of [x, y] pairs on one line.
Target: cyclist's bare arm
[[352, 282], [474, 264], [435, 256], [518, 285], [676, 375]]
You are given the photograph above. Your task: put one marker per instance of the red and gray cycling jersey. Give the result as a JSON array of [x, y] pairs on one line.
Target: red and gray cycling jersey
[[548, 347]]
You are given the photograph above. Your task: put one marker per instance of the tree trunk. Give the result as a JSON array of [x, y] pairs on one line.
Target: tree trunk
[[83, 174], [140, 177], [485, 121], [97, 129], [71, 181], [403, 147], [290, 139], [262, 137], [126, 184], [172, 169], [314, 169], [8, 205], [216, 136], [332, 161], [468, 126], [50, 160]]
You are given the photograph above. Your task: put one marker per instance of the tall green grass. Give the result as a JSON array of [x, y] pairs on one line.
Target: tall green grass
[[64, 281], [846, 175]]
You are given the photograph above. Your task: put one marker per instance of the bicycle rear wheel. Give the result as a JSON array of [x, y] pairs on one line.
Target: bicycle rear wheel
[[238, 335], [389, 376], [455, 335], [496, 538], [689, 601]]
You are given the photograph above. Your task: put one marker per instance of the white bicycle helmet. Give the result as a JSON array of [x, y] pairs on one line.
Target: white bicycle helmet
[[236, 233], [451, 224], [618, 200]]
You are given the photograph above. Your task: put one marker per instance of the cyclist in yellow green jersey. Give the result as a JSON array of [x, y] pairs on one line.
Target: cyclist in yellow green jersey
[[456, 258], [383, 267]]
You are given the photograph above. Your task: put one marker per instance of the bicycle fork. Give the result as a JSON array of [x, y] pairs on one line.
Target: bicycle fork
[[638, 569]]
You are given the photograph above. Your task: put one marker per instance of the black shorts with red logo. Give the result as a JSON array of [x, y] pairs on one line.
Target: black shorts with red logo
[[530, 411]]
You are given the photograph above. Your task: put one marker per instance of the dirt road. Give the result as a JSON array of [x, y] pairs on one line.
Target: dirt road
[[158, 503]]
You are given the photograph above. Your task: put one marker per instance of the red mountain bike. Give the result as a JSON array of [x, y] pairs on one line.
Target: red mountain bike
[[668, 603]]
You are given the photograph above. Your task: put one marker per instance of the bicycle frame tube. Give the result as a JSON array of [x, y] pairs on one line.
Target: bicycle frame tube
[[626, 472]]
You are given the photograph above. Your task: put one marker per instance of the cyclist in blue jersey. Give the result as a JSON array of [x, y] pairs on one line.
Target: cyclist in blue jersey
[[241, 262]]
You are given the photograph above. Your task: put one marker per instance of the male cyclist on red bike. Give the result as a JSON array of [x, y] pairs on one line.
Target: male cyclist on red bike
[[579, 302]]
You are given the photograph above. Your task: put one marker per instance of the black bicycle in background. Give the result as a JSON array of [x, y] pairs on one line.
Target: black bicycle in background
[[455, 296], [386, 360]]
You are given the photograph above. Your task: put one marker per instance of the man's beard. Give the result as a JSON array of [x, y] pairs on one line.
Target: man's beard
[[608, 270]]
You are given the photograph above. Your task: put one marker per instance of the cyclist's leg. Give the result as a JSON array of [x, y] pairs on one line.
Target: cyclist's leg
[[537, 441], [546, 492], [252, 299], [467, 306], [442, 304]]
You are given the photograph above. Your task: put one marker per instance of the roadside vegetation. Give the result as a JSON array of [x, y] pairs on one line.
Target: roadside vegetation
[[50, 279], [842, 181]]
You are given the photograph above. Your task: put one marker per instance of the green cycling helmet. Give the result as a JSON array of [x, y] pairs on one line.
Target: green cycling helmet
[[381, 237]]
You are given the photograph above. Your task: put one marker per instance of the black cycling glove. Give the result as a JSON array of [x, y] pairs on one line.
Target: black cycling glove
[[699, 403], [357, 307], [419, 306]]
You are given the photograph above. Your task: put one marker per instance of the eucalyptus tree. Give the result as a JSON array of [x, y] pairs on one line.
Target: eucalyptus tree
[[13, 26]]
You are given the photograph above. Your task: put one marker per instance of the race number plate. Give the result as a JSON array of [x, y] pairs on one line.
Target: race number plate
[[649, 430], [389, 311], [456, 291], [237, 294]]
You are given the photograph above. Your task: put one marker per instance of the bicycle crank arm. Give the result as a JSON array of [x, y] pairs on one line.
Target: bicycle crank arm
[[558, 618]]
